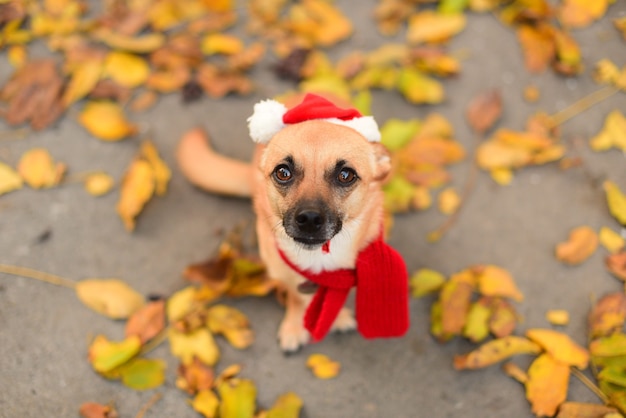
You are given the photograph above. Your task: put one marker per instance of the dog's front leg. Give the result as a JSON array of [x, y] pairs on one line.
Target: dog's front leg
[[292, 334]]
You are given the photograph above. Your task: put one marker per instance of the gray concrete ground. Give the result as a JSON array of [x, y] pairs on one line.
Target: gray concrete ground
[[44, 329]]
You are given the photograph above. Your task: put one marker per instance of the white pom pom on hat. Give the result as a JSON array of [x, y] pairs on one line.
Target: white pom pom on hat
[[270, 117]]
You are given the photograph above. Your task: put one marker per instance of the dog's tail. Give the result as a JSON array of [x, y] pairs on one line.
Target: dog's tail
[[209, 170]]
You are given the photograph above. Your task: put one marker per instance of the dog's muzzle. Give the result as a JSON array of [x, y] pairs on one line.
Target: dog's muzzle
[[311, 224]]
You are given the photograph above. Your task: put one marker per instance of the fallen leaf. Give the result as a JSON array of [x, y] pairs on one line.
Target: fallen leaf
[[96, 410], [232, 324], [105, 120], [418, 88], [287, 405], [547, 384], [322, 366], [39, 170], [449, 201], [144, 101], [568, 55], [613, 375], [198, 343], [580, 13], [9, 179], [17, 56], [476, 326], [503, 318], [99, 184], [538, 46], [220, 43], [436, 325], [105, 355], [560, 346], [142, 373], [613, 133], [608, 346], [494, 351], [127, 70], [238, 398], [397, 133], [425, 281], [160, 170], [147, 322], [514, 371], [137, 44], [195, 377], [455, 298], [557, 317], [495, 281], [616, 200], [137, 188], [607, 315], [582, 243], [484, 110], [206, 403], [584, 410], [616, 264], [110, 297], [531, 93], [83, 80], [430, 26], [181, 303], [610, 240]]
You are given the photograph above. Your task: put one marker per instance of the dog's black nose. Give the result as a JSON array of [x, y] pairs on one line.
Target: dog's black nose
[[309, 221]]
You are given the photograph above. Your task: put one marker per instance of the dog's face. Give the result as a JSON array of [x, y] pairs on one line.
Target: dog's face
[[319, 177]]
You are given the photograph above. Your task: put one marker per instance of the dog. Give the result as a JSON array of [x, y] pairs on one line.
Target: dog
[[316, 185]]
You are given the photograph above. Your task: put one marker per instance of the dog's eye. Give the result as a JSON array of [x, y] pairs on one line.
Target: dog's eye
[[282, 173], [346, 176]]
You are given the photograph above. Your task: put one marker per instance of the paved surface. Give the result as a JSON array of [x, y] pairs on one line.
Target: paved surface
[[44, 329]]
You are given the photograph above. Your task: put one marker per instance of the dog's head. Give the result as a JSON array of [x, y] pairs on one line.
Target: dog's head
[[320, 176]]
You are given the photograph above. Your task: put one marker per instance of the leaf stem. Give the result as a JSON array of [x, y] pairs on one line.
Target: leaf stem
[[590, 385], [155, 342], [583, 104], [37, 275], [154, 399]]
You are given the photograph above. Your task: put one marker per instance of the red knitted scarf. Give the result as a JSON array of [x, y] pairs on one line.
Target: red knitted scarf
[[381, 281]]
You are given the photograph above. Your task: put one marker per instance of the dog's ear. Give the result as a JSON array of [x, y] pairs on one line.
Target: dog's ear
[[383, 161]]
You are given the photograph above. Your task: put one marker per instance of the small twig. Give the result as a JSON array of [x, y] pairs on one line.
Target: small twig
[[37, 275], [14, 135], [155, 342], [157, 396], [581, 105], [590, 385]]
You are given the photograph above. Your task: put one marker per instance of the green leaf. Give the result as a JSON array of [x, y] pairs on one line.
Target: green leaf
[[396, 133], [143, 374], [106, 355], [452, 6], [425, 281], [477, 326], [238, 398], [418, 88], [616, 200]]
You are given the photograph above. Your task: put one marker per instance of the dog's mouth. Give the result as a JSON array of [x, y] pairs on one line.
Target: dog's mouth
[[311, 224]]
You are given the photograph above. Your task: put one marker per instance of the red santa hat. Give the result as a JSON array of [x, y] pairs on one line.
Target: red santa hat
[[270, 117]]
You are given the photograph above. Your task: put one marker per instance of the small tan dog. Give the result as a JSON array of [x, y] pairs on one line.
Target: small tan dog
[[315, 181]]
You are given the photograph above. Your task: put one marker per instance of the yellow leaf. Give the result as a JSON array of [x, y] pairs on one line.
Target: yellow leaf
[[495, 351], [206, 403], [161, 171], [417, 88], [181, 303], [492, 155], [531, 93], [611, 346], [84, 78], [99, 184], [144, 101], [9, 179], [106, 121], [231, 323], [220, 43], [514, 371], [560, 346], [586, 410], [128, 70], [142, 373], [449, 201], [502, 176], [495, 281], [582, 243], [616, 201], [238, 398], [547, 383], [612, 135], [425, 281], [607, 315], [137, 188], [538, 46], [39, 170], [110, 297], [477, 325], [17, 56], [557, 317], [199, 344], [322, 366], [105, 355], [430, 26], [611, 240], [138, 44], [580, 13], [287, 405]]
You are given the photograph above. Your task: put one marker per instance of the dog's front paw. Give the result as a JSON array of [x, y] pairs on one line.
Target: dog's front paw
[[292, 336], [344, 322]]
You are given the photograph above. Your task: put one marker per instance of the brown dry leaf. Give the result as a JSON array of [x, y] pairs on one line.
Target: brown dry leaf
[[34, 94], [560, 346], [318, 22], [607, 315], [495, 281], [449, 201], [557, 317], [484, 110], [568, 55], [609, 239], [217, 82], [105, 120], [39, 170], [195, 377], [137, 188], [582, 243], [620, 25], [585, 410], [430, 26], [110, 90], [538, 46], [110, 297], [391, 14], [98, 184], [612, 135], [503, 318], [547, 384], [616, 201], [455, 298], [9, 179], [232, 324], [144, 101], [581, 13], [616, 264], [147, 322], [322, 366], [96, 410], [167, 80], [495, 351]]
